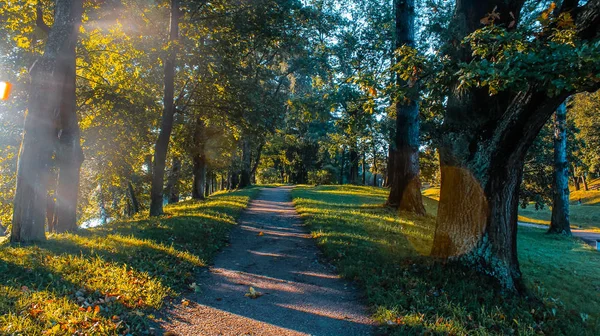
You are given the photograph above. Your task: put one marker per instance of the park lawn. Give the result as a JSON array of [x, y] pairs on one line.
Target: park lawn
[[585, 216], [110, 279], [386, 254]]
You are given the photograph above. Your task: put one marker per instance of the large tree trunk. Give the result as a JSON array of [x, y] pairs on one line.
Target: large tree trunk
[[166, 125], [405, 192], [48, 77], [485, 139], [560, 198], [246, 163], [69, 155], [172, 189]]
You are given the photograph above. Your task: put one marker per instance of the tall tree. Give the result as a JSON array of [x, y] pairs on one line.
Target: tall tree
[[405, 192], [69, 154], [485, 138], [49, 77], [559, 222], [166, 125]]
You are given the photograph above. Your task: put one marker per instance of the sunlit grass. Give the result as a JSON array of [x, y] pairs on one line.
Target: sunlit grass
[[110, 279], [386, 253], [585, 216]]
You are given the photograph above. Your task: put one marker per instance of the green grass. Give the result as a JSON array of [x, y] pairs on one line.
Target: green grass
[[386, 254], [585, 216], [111, 279]]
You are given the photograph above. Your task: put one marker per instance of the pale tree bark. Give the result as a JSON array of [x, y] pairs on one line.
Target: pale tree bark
[[69, 154], [166, 125], [482, 151], [48, 78], [405, 192], [559, 222]]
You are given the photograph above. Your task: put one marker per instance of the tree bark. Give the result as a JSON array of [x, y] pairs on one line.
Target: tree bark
[[482, 149], [374, 166], [585, 184], [575, 179], [166, 126], [256, 161], [69, 155], [405, 192], [135, 205], [48, 78], [246, 163], [172, 189], [559, 222]]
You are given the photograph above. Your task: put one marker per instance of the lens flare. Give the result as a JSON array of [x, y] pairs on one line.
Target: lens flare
[[4, 90]]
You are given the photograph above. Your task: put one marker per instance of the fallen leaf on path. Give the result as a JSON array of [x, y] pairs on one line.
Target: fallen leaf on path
[[253, 294], [261, 233]]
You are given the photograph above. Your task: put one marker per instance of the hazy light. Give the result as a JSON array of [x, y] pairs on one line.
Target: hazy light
[[4, 90]]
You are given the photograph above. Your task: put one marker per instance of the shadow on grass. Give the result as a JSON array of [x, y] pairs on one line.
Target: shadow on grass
[[110, 279], [413, 294]]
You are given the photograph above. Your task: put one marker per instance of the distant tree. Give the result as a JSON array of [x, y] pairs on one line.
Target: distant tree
[[559, 222]]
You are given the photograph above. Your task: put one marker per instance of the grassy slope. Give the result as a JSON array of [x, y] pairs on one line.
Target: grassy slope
[[122, 271], [585, 216], [387, 255]]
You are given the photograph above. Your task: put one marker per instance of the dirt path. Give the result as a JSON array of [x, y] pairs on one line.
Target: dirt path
[[590, 237], [272, 252]]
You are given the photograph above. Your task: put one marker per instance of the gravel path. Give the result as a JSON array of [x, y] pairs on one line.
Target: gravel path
[[590, 237], [272, 252]]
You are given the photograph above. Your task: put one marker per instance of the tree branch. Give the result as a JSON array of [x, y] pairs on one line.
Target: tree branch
[[587, 20], [39, 19]]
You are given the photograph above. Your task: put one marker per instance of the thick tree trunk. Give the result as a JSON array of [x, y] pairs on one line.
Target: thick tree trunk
[[69, 155], [135, 205], [482, 150], [48, 77], [560, 200], [172, 189], [246, 163], [405, 192], [166, 125]]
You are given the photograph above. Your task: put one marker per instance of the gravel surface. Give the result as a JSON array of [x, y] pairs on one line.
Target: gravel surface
[[271, 251]]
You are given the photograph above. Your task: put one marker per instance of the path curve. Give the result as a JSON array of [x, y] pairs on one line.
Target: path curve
[[589, 237], [271, 251]]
